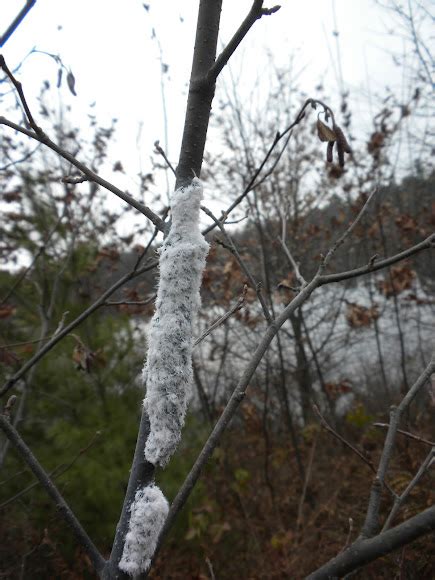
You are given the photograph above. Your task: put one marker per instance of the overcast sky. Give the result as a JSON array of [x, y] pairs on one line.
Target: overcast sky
[[110, 48]]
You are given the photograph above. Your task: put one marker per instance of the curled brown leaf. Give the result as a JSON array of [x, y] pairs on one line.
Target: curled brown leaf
[[325, 133]]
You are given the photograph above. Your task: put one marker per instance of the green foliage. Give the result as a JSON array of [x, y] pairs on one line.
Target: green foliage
[[71, 415], [358, 417]]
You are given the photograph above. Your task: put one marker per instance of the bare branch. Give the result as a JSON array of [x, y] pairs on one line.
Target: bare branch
[[348, 231], [256, 12], [399, 501], [161, 152], [236, 398], [288, 131], [363, 552], [293, 263], [19, 88], [306, 482], [58, 337], [61, 505], [232, 248], [371, 523], [16, 22], [428, 243], [90, 175], [407, 434], [130, 302], [237, 306]]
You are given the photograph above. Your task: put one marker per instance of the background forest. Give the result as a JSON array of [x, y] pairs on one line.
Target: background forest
[[283, 493]]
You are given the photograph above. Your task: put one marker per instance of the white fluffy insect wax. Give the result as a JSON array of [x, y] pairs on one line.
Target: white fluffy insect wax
[[148, 514], [168, 369]]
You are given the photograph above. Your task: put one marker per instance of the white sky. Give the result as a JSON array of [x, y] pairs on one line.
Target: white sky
[[108, 46]]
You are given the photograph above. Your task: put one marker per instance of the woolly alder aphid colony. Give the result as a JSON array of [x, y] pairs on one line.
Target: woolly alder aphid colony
[[168, 373]]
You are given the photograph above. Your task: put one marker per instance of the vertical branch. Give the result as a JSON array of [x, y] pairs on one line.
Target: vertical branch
[[142, 473], [199, 101], [201, 92], [372, 517]]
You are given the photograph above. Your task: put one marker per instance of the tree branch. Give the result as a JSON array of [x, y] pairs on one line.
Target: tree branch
[[256, 12], [288, 131], [232, 248], [237, 397], [56, 472], [328, 428], [99, 302], [91, 175], [39, 135], [61, 505], [371, 522], [142, 473], [237, 306], [16, 22], [399, 500], [201, 92], [340, 241], [363, 552], [240, 390], [407, 434], [428, 243]]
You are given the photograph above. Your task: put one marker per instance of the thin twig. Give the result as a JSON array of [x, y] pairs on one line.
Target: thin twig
[[293, 263], [55, 339], [25, 157], [348, 231], [232, 248], [255, 13], [407, 434], [19, 88], [371, 522], [363, 552], [306, 482], [36, 340], [398, 502], [333, 432], [161, 152], [237, 306], [130, 302], [428, 243], [252, 183], [91, 175]]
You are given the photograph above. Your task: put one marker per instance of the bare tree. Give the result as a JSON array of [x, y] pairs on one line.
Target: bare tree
[[206, 68]]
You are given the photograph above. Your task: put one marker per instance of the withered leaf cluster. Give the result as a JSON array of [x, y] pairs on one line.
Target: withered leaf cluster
[[333, 136], [359, 316]]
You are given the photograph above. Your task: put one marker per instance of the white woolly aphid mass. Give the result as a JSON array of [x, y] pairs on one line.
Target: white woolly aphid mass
[[168, 370], [148, 514]]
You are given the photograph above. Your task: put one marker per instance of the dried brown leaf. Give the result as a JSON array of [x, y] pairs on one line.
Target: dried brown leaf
[[325, 133]]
